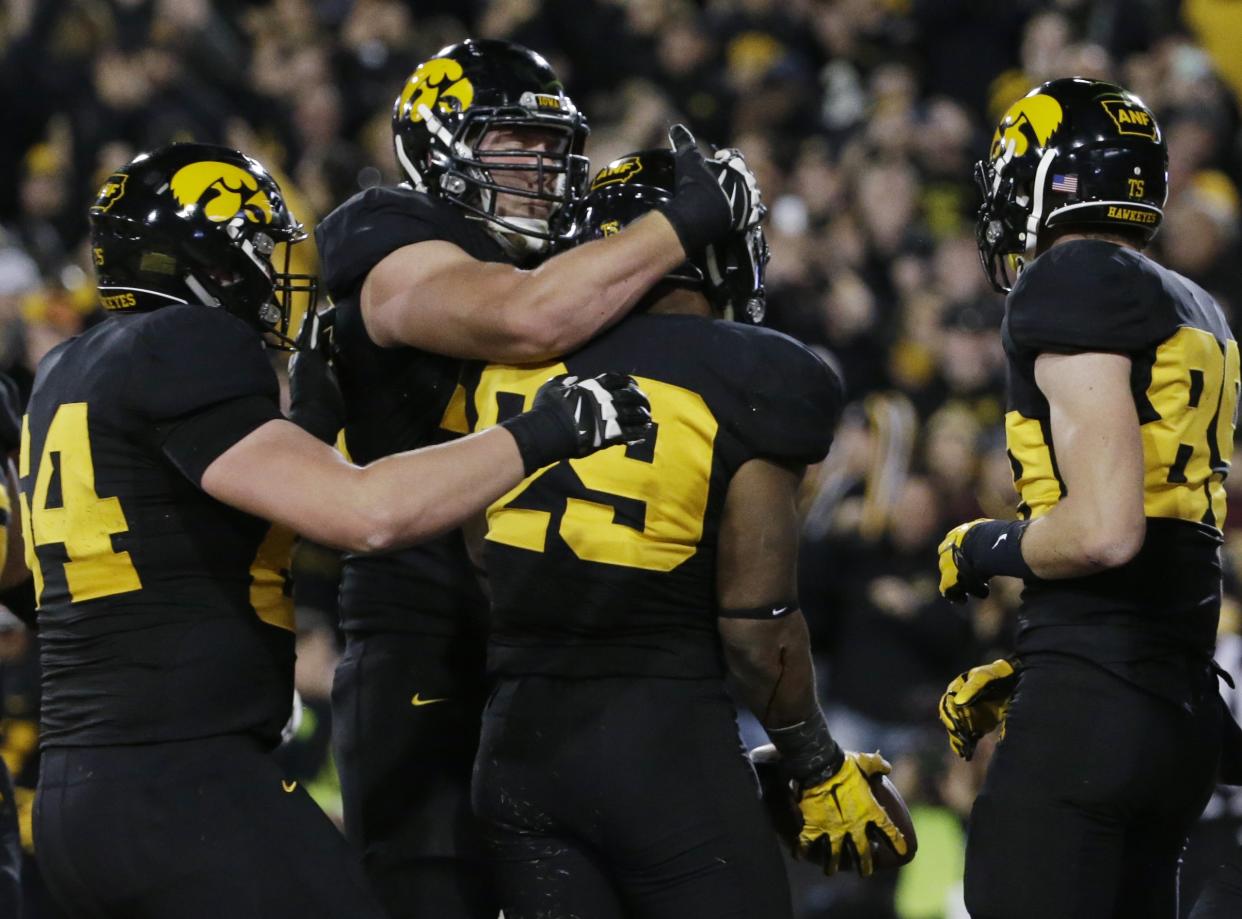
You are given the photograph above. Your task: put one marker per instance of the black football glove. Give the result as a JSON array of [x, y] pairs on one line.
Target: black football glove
[[316, 404], [711, 198], [10, 415], [572, 418], [958, 578]]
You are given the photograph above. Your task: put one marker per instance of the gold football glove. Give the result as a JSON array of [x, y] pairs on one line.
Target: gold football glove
[[976, 703], [840, 810], [957, 576]]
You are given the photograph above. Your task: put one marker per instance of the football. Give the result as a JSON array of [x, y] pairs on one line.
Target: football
[[782, 805]]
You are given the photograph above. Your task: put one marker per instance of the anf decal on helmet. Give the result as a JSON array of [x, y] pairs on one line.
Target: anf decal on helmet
[[618, 171], [221, 191], [1130, 118], [111, 192], [439, 82]]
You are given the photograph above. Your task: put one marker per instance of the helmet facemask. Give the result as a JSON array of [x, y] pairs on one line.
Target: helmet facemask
[[479, 178]]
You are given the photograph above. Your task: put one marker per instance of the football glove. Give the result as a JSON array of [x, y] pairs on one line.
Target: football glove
[[839, 811], [976, 703], [573, 418], [711, 199], [316, 403], [958, 577]]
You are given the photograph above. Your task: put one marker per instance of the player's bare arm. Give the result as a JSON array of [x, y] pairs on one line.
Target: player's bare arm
[[435, 296], [282, 473], [1099, 523], [756, 570], [767, 650]]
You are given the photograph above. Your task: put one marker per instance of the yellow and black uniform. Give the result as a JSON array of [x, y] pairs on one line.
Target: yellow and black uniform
[[610, 770], [409, 688], [1113, 735], [167, 650]]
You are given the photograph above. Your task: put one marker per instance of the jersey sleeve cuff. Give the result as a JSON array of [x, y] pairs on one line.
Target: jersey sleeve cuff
[[195, 442]]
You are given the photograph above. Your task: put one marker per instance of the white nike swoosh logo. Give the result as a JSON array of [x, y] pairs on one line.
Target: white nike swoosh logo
[[777, 612], [1000, 539]]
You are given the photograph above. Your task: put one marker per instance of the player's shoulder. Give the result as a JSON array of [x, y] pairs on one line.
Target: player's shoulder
[[792, 398], [187, 357], [1091, 294], [356, 236]]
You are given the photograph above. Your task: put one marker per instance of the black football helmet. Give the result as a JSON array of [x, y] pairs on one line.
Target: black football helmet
[[197, 223], [729, 273], [1071, 153], [453, 100]]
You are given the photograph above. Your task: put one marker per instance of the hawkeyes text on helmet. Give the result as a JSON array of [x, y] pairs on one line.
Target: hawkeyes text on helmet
[[196, 223], [1072, 153], [730, 273], [448, 106]]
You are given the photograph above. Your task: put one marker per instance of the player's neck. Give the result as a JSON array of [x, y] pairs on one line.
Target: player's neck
[[1102, 237], [680, 301]]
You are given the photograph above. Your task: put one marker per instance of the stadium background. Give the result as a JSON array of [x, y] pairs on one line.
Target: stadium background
[[862, 119]]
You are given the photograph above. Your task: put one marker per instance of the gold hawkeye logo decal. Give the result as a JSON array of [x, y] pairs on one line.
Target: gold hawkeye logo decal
[[222, 190], [1029, 122], [439, 83], [418, 700]]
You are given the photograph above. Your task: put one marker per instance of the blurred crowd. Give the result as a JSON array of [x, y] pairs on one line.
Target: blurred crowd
[[862, 119]]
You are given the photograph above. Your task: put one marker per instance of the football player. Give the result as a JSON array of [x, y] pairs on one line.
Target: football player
[[424, 275], [1123, 392], [610, 772], [153, 454]]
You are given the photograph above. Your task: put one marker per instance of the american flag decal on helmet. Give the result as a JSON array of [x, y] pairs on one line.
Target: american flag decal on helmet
[[1066, 184]]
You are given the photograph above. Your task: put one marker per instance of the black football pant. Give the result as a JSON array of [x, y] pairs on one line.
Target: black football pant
[[405, 727], [616, 798], [201, 829], [1089, 798]]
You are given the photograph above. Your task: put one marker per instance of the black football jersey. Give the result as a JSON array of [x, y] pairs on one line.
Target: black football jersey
[[606, 566], [1092, 295], [395, 400], [162, 613]]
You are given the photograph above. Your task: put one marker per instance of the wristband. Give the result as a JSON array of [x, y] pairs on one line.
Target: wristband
[[808, 751], [543, 438], [995, 548]]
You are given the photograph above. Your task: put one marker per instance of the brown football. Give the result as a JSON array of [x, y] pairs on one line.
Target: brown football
[[782, 804]]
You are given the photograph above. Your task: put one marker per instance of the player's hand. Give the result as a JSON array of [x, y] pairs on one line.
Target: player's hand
[[573, 418], [839, 811], [740, 186], [958, 578], [604, 410], [316, 403], [711, 199], [976, 703], [10, 415]]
